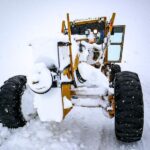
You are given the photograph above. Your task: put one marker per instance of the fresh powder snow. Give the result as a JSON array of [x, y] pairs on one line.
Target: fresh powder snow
[[83, 128]]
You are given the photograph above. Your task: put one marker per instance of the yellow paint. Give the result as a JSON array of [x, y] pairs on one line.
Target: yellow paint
[[111, 23], [63, 27], [70, 47], [76, 62], [66, 92], [67, 72], [81, 22]]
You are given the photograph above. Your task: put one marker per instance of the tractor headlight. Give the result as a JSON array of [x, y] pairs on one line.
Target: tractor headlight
[[95, 31]]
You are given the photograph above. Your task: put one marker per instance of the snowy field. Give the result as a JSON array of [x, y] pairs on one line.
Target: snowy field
[[84, 128]]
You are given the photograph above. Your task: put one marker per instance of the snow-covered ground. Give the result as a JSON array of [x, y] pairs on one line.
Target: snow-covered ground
[[84, 128]]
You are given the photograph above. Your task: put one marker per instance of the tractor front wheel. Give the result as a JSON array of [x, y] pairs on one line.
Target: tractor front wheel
[[129, 110], [10, 102]]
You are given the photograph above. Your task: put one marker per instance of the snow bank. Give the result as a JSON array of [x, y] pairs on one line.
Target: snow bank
[[93, 77], [38, 136], [49, 105], [67, 103], [44, 49], [27, 107]]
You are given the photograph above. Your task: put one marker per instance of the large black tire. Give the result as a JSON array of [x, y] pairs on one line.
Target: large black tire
[[10, 102], [129, 110], [114, 69]]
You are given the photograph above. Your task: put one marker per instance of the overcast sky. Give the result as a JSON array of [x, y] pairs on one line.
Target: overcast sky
[[24, 20]]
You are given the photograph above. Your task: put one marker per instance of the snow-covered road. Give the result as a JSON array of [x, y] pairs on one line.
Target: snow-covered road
[[83, 128]]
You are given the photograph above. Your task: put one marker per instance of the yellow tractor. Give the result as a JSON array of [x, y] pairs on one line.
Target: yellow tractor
[[86, 69]]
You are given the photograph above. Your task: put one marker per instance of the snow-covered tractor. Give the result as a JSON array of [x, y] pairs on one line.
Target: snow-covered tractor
[[87, 74]]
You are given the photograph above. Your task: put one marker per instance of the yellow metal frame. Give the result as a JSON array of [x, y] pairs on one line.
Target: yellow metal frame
[[109, 32], [70, 47], [63, 27], [66, 92], [81, 22], [66, 87]]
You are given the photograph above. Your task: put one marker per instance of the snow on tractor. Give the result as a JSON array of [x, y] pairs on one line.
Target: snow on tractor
[[86, 75]]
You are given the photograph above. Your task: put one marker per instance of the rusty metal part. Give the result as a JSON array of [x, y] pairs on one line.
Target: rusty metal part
[[111, 99]]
